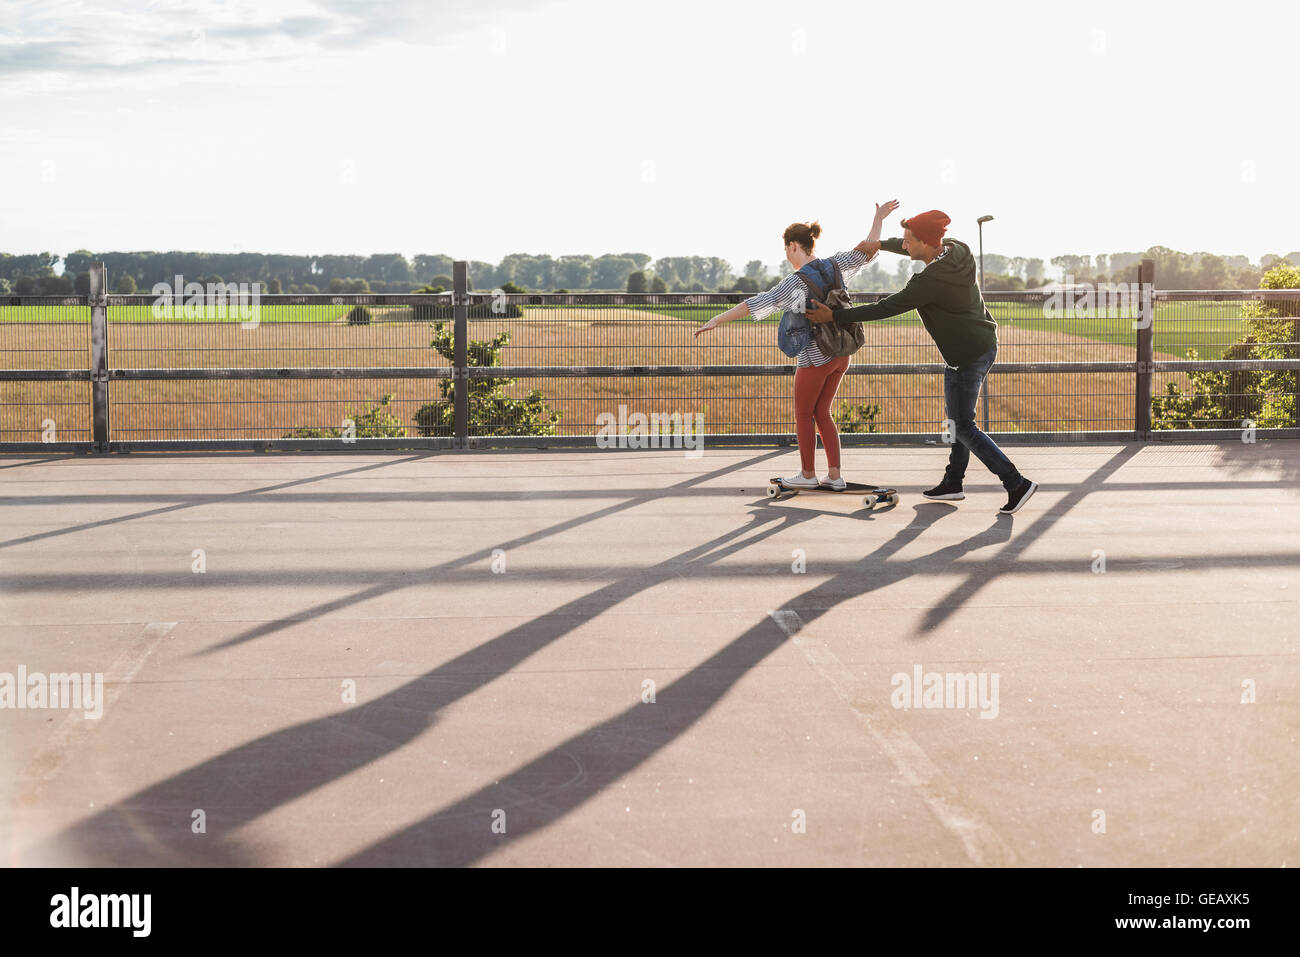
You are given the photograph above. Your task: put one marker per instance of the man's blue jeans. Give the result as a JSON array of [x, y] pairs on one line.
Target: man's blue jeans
[[961, 388]]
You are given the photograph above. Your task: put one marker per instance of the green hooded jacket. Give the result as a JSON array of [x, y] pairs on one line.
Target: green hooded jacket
[[947, 297]]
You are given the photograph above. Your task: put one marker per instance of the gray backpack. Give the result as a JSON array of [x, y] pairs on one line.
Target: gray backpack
[[825, 283]]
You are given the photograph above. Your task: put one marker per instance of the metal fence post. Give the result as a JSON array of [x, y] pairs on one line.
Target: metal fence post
[[1294, 353], [98, 302], [1145, 350], [460, 339]]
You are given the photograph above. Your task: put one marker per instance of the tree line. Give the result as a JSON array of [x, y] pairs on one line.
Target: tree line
[[34, 273]]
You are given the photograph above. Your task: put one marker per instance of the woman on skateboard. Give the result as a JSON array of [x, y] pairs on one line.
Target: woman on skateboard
[[816, 378]]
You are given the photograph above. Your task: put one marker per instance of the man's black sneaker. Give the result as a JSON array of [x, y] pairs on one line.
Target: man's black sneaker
[[1018, 496], [945, 491]]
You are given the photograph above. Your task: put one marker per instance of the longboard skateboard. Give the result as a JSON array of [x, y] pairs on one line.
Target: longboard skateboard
[[874, 493]]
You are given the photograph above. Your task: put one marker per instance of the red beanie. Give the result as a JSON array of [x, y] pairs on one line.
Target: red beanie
[[929, 226]]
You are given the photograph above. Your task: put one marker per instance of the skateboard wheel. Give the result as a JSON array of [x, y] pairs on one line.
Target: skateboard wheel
[[869, 500], [893, 499], [771, 491]]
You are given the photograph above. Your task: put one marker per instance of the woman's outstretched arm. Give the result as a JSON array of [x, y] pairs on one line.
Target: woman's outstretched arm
[[738, 311], [871, 245]]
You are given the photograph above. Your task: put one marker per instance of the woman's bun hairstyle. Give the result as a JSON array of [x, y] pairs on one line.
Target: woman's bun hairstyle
[[805, 234]]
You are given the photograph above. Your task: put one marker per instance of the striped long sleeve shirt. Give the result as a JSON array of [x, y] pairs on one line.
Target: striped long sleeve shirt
[[791, 291]]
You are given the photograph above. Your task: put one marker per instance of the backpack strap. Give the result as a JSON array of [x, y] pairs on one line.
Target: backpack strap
[[838, 276], [815, 283]]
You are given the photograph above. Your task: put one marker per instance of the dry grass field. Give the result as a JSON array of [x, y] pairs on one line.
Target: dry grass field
[[581, 336]]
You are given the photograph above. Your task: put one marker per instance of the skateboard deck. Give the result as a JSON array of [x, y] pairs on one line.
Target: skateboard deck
[[874, 494]]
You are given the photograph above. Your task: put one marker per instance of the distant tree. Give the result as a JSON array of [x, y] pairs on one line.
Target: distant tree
[[746, 286], [433, 268], [24, 286], [273, 287], [1213, 272], [388, 267], [126, 285], [486, 276], [82, 284], [310, 289], [444, 281], [1001, 282], [611, 272], [658, 286], [993, 263], [636, 282], [1076, 267], [5, 288]]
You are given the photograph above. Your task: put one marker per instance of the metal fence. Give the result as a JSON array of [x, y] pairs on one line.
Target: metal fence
[[466, 370]]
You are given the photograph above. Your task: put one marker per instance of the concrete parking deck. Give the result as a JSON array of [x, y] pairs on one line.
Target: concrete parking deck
[[635, 658]]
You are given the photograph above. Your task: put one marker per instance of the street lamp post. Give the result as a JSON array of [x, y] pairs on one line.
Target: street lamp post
[[980, 223]]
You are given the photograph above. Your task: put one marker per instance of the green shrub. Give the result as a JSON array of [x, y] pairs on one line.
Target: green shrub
[[359, 316], [375, 423], [855, 418], [491, 412], [1223, 400]]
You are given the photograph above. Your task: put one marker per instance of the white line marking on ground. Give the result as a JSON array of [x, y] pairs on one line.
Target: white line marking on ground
[[981, 842], [51, 756]]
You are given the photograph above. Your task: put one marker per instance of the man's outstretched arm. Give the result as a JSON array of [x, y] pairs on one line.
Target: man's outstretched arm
[[905, 300]]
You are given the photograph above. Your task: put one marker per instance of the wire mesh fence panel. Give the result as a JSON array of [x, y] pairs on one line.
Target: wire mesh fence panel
[[1227, 325], [543, 331], [348, 335], [188, 411], [378, 368], [44, 334], [1065, 326]]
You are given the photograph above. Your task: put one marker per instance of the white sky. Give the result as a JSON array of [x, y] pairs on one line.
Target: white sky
[[482, 128]]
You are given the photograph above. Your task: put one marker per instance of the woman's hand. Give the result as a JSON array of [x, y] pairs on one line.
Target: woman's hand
[[711, 324], [884, 209]]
